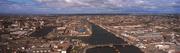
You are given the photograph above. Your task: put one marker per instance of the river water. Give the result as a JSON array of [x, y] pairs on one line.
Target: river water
[[100, 36], [42, 32]]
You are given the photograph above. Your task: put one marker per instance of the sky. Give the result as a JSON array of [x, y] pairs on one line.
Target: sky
[[88, 6]]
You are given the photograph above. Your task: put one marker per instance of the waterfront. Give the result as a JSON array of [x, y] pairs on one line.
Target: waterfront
[[99, 33], [115, 49], [101, 37], [42, 32]]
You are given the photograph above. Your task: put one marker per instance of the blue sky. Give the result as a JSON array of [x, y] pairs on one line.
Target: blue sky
[[89, 6]]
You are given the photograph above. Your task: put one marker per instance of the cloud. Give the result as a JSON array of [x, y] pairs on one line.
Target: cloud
[[89, 5], [108, 3], [94, 3]]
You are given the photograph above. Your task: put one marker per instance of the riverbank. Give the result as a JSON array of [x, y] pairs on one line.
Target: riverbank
[[103, 38]]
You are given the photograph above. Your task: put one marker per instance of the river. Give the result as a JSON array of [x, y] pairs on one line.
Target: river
[[101, 36], [42, 32]]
